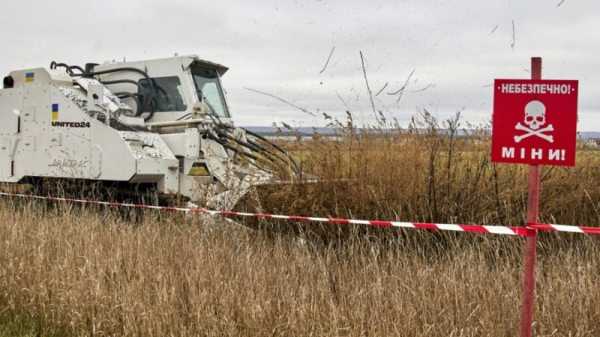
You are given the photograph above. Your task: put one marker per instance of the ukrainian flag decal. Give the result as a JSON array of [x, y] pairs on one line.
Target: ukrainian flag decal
[[29, 77], [54, 112]]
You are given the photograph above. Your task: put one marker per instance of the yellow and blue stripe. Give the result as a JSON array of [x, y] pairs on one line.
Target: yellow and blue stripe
[[29, 77], [54, 112]]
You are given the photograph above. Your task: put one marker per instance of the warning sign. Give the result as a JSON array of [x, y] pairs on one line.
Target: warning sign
[[535, 122]]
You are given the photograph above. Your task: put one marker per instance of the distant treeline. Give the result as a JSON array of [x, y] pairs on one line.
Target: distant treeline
[[329, 131]]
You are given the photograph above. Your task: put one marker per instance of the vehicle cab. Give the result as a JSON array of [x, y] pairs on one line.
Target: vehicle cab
[[175, 88]]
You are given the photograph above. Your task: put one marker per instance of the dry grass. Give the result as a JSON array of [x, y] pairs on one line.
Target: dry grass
[[429, 172], [92, 274], [68, 271]]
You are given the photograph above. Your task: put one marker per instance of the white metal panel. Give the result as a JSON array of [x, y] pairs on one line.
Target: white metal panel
[[176, 143], [10, 109], [192, 140], [5, 160]]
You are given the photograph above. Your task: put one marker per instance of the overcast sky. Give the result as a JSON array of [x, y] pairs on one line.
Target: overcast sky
[[456, 49]]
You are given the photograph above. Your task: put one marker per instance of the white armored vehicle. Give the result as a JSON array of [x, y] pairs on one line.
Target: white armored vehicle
[[157, 125]]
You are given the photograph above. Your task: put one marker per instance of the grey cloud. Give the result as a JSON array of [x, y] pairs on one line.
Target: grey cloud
[[280, 47]]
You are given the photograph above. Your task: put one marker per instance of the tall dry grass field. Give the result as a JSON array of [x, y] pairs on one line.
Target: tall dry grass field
[[86, 274], [89, 272], [433, 171]]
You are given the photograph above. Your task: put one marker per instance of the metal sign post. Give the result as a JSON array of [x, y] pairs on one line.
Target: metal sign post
[[533, 209], [534, 123]]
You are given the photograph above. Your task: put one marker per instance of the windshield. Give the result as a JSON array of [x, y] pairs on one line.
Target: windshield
[[209, 90]]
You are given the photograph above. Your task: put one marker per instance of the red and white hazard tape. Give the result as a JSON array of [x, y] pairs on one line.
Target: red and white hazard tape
[[501, 230], [96, 202], [566, 228]]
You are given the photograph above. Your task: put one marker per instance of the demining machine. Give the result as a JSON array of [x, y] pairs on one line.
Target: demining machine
[[158, 125]]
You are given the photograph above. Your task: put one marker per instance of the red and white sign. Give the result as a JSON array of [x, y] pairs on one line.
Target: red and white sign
[[535, 122]]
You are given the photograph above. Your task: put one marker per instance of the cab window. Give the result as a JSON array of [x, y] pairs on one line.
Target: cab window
[[165, 92]]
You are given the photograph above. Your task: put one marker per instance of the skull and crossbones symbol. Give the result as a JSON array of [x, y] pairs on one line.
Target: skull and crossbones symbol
[[535, 118]]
